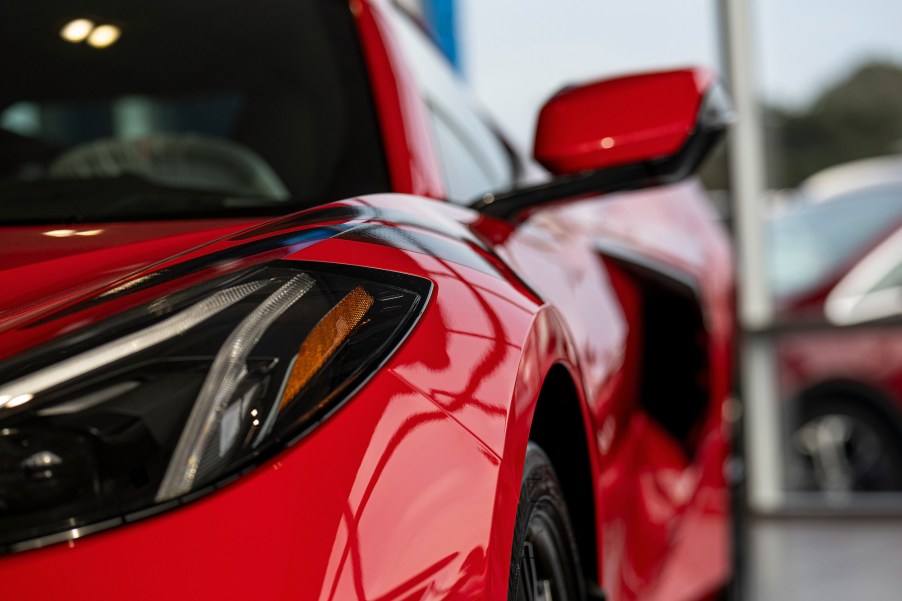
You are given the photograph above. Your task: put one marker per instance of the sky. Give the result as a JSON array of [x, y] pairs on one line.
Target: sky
[[805, 45], [516, 53]]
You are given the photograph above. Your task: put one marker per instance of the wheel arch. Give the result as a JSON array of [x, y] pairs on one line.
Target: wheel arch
[[559, 412], [548, 405]]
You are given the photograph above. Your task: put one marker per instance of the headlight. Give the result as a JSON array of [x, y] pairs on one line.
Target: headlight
[[170, 400]]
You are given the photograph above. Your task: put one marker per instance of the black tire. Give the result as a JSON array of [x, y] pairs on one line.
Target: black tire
[[869, 451], [543, 555]]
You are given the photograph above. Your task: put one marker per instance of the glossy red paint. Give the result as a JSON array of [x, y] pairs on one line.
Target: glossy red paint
[[651, 495], [410, 490], [868, 358], [406, 137], [50, 266], [619, 121], [394, 438], [475, 392]]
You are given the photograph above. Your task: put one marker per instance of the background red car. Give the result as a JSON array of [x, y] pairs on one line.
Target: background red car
[[837, 276], [378, 394]]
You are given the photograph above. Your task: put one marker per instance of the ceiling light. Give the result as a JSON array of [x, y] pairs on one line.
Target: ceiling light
[[77, 30], [60, 233], [104, 36]]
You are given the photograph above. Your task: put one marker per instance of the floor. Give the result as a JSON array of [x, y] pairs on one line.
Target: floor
[[824, 560]]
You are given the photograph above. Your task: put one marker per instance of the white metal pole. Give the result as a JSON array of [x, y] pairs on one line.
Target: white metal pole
[[763, 433]]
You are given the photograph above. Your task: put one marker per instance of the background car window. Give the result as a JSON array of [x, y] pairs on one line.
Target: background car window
[[473, 158], [816, 240], [164, 122]]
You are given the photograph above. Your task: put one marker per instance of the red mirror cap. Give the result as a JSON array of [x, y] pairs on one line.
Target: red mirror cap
[[620, 121]]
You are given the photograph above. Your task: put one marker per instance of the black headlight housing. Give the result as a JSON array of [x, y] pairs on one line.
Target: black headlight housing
[[171, 400]]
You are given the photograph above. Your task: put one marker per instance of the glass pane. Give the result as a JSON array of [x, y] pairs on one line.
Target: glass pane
[[158, 121]]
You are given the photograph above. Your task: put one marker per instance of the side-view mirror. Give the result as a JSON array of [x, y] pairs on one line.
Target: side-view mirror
[[620, 134]]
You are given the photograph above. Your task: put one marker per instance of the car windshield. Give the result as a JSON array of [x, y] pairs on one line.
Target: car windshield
[[115, 110], [818, 239]]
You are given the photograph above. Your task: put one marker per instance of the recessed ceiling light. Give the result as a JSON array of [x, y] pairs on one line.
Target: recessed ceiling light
[[104, 36], [60, 233], [77, 30]]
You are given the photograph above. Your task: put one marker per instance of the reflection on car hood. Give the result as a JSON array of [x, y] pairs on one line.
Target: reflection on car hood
[[42, 265]]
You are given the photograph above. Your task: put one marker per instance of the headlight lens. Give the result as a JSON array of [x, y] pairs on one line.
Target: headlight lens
[[166, 402]]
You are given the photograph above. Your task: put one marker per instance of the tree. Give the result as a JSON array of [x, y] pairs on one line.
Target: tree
[[856, 118]]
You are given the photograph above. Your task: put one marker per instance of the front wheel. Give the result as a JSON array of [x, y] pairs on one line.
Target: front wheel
[[544, 561], [843, 447]]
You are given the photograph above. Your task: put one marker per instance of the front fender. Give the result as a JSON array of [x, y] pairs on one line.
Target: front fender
[[409, 490]]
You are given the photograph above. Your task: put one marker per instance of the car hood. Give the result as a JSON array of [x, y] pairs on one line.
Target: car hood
[[51, 274], [42, 266]]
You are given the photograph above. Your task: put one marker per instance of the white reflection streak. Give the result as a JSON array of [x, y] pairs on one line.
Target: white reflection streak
[[70, 233], [18, 400], [853, 299], [228, 369], [12, 393]]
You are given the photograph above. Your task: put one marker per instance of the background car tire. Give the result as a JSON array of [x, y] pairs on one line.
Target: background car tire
[[544, 560], [844, 446]]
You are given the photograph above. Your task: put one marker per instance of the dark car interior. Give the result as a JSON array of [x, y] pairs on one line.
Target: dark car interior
[[165, 123]]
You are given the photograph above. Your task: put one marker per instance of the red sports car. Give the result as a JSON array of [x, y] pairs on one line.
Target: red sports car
[[283, 317]]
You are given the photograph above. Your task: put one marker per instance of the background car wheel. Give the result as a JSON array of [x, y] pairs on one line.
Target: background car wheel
[[544, 561], [843, 446]]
